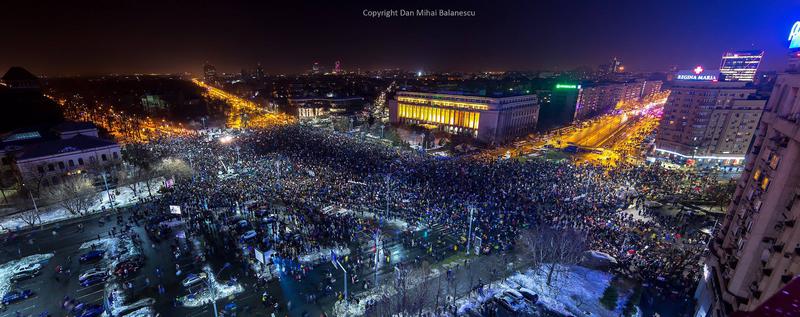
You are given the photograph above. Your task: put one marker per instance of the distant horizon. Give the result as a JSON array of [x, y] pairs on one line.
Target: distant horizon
[[267, 73]]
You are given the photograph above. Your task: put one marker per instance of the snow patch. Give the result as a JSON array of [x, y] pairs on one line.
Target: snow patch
[[218, 291], [125, 197], [323, 255], [7, 269], [576, 292]]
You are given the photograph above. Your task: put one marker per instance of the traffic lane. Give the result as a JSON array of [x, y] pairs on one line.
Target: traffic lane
[[64, 244]]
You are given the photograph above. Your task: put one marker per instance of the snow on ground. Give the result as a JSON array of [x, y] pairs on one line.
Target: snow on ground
[[53, 214], [323, 255], [7, 269], [141, 312], [636, 214], [140, 307], [205, 296], [576, 293], [117, 249], [342, 308]]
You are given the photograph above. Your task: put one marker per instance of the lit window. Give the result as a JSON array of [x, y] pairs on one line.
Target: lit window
[[774, 159], [765, 183], [757, 174]]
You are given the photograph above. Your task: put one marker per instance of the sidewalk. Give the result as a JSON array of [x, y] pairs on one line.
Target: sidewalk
[[54, 213]]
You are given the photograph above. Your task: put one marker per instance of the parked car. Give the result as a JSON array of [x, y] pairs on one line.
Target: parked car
[[509, 300], [31, 267], [92, 310], [91, 256], [529, 295], [93, 272], [128, 267], [21, 276], [193, 279], [247, 236], [16, 296], [97, 279]]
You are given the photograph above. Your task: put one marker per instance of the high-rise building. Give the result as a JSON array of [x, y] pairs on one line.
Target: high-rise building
[[315, 68], [337, 68], [613, 66], [259, 72], [756, 251], [740, 66], [489, 119], [209, 73], [708, 121], [557, 106]]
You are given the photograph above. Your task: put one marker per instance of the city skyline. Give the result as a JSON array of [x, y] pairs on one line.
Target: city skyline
[[97, 38]]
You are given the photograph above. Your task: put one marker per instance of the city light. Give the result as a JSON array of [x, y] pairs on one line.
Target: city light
[[794, 35], [226, 139]]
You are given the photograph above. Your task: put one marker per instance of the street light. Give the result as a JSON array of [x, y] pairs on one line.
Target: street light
[[213, 290], [469, 235], [336, 264]]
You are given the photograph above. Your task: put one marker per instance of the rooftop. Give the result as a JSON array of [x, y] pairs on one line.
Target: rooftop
[[18, 73], [77, 143]]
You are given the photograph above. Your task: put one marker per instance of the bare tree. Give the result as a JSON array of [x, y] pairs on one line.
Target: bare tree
[[173, 167], [418, 299], [151, 179], [75, 194], [32, 179], [130, 177], [30, 217], [550, 249]]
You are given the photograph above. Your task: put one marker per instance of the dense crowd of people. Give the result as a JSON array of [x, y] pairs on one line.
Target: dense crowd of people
[[305, 169]]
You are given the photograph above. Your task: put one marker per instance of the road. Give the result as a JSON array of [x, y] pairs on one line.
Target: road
[[286, 288], [243, 112]]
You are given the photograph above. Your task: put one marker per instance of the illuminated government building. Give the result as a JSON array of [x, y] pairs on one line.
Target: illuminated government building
[[489, 119]]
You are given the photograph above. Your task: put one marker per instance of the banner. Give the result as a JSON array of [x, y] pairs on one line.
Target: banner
[[175, 210], [260, 256]]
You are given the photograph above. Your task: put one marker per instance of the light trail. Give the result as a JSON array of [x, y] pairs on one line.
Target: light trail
[[245, 113]]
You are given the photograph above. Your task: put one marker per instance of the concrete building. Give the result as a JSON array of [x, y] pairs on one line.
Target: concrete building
[[597, 99], [43, 157], [740, 66], [209, 73], [650, 87], [310, 108], [709, 122], [489, 119], [756, 251], [557, 106]]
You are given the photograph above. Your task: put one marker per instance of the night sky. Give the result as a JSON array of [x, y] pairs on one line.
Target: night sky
[[83, 37]]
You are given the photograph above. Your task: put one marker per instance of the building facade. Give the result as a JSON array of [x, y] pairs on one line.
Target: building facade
[[209, 73], [598, 99], [489, 119], [755, 254], [740, 65], [757, 250], [43, 158], [709, 121]]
